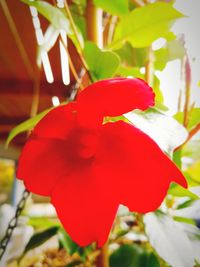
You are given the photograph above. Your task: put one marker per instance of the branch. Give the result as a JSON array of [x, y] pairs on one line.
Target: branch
[[149, 67], [80, 50], [103, 258], [71, 65], [191, 134], [36, 96], [137, 3], [187, 91], [111, 30], [73, 25], [94, 18]]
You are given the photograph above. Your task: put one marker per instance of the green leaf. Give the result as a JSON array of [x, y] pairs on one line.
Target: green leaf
[[77, 12], [116, 7], [177, 158], [152, 261], [42, 222], [156, 88], [192, 149], [184, 220], [191, 182], [128, 71], [41, 237], [159, 106], [126, 54], [57, 17], [173, 50], [74, 263], [194, 117], [133, 256], [185, 204], [131, 56], [178, 191], [67, 242], [84, 252], [145, 24], [51, 13], [26, 125], [169, 240], [102, 64], [79, 19], [194, 171]]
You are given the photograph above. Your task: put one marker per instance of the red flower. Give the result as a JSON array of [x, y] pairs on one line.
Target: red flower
[[89, 168]]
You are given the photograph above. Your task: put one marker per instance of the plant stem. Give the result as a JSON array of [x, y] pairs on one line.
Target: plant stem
[[71, 65], [80, 46], [36, 96], [179, 101], [111, 30], [102, 258], [73, 25], [187, 91], [191, 134], [137, 3], [94, 17], [149, 67]]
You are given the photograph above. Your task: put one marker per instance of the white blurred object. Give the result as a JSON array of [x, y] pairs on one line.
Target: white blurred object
[[163, 129], [55, 101], [159, 43], [136, 237], [193, 211], [40, 40], [18, 190], [122, 210], [42, 210], [193, 233], [170, 83], [7, 212], [169, 240], [170, 76], [20, 235], [63, 51]]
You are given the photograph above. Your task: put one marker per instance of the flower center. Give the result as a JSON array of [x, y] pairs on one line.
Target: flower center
[[87, 144], [83, 142]]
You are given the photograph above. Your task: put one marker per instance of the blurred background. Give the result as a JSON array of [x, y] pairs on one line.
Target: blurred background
[[27, 88]]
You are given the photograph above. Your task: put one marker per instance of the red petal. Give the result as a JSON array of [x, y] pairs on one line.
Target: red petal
[[57, 123], [42, 163], [85, 207], [113, 97], [140, 171]]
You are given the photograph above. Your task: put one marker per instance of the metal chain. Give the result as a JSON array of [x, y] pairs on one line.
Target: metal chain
[[76, 85], [13, 223]]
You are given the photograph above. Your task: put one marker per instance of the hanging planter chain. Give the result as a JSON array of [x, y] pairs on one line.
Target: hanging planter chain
[[13, 223]]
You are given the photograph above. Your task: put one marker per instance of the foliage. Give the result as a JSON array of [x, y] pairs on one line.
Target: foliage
[[105, 66], [26, 125], [142, 32], [170, 238], [51, 13], [117, 7], [41, 237], [133, 256]]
